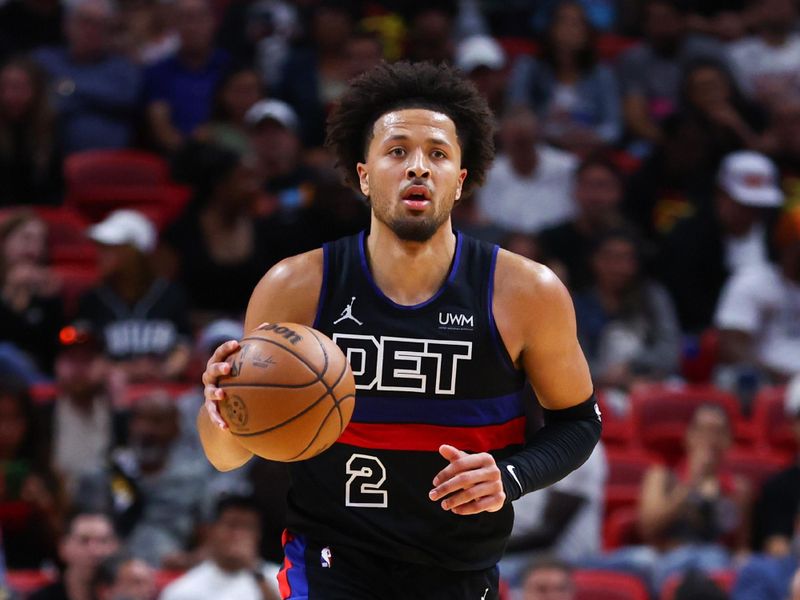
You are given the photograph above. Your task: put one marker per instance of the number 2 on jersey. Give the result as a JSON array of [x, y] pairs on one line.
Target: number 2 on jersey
[[363, 489]]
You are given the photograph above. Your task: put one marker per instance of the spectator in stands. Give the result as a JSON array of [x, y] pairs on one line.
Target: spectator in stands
[[121, 577], [31, 495], [83, 422], [95, 91], [178, 91], [148, 32], [711, 102], [30, 308], [29, 24], [314, 77], [696, 514], [30, 146], [598, 194], [274, 136], [233, 570], [142, 317], [563, 520], [152, 487], [710, 242], [767, 63], [548, 579], [238, 90], [697, 586], [88, 539], [758, 314], [782, 140], [766, 578], [431, 27], [775, 514], [576, 98], [483, 61], [650, 73], [364, 50], [218, 236], [626, 323], [529, 186]]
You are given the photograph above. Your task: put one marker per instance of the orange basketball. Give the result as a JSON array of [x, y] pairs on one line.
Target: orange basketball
[[290, 392]]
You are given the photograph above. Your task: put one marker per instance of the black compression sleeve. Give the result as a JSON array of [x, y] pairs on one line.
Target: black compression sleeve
[[564, 443]]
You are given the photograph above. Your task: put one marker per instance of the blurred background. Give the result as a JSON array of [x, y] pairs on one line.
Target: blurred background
[[648, 152]]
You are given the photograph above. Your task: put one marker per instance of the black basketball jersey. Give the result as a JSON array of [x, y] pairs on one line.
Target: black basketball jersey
[[430, 374]]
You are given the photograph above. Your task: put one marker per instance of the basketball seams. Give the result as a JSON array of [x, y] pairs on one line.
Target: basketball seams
[[331, 388], [298, 356], [321, 426]]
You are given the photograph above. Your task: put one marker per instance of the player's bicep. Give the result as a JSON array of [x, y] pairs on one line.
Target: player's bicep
[[288, 292], [551, 356]]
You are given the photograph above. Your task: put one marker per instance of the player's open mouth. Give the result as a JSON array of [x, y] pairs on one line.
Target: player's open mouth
[[416, 197]]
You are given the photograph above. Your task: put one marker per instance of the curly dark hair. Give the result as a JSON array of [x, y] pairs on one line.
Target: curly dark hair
[[389, 87]]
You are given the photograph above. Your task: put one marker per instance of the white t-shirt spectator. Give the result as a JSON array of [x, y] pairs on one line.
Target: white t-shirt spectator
[[528, 204], [764, 70], [208, 582], [581, 538], [761, 302]]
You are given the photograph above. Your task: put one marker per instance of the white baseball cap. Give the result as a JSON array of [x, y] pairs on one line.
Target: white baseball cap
[[272, 109], [479, 51], [750, 178], [125, 226], [219, 331]]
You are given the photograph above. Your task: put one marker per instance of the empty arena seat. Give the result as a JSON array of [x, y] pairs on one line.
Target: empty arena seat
[[76, 280], [26, 581], [617, 429], [621, 528], [626, 468], [773, 429], [608, 585], [754, 465], [66, 236], [661, 412], [114, 167]]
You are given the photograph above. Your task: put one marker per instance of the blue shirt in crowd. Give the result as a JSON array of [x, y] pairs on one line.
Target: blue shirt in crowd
[[96, 101], [188, 92]]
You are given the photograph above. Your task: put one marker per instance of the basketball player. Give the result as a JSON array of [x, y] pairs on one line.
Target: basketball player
[[441, 330]]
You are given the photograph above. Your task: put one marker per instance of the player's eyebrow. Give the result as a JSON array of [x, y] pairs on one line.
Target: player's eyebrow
[[436, 141]]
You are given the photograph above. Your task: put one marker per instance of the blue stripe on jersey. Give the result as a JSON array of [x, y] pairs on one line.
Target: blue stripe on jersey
[[295, 568], [437, 411]]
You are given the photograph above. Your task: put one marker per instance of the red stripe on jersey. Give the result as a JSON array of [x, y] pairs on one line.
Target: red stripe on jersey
[[283, 575], [428, 438]]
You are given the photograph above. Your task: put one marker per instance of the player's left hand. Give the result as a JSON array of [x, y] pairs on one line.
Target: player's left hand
[[470, 484]]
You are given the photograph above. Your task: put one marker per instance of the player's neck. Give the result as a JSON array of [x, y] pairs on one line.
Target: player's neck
[[409, 272]]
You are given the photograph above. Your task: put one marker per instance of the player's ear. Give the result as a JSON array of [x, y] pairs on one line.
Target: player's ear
[[461, 177], [363, 178]]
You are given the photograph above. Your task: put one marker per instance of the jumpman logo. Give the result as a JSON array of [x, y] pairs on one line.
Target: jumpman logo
[[485, 592], [347, 313]]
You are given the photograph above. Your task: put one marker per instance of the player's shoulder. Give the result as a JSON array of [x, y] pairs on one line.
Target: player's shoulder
[[527, 282], [297, 271]]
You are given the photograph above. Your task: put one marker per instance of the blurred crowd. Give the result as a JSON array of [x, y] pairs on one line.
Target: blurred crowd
[[158, 156]]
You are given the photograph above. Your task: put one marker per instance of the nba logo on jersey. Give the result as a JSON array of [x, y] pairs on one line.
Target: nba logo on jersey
[[326, 558]]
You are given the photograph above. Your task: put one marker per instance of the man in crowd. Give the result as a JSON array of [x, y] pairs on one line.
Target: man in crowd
[[120, 577]]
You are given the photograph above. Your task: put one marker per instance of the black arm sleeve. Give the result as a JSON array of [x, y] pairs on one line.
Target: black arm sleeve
[[564, 443]]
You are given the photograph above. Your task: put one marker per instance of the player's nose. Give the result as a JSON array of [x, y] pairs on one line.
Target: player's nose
[[417, 166]]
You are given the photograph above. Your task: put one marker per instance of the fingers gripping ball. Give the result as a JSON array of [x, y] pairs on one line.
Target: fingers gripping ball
[[290, 392]]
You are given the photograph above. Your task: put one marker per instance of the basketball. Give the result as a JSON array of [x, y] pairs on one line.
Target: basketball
[[290, 392]]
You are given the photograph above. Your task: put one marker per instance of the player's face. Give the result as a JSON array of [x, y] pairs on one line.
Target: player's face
[[413, 173]]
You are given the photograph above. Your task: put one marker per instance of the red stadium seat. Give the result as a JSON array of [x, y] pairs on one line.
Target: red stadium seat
[[114, 167], [518, 46], [66, 236], [608, 585], [164, 577], [611, 45], [626, 468], [617, 430], [26, 582], [773, 429], [754, 465], [621, 528], [135, 391], [76, 280], [161, 203], [724, 579], [661, 413]]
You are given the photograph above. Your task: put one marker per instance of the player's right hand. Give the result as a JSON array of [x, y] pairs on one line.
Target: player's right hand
[[216, 368]]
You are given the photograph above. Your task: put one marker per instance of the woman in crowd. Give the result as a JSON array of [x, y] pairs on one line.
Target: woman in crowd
[[576, 98], [31, 503], [626, 324], [30, 307], [30, 153]]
